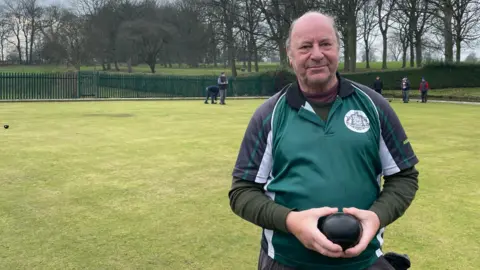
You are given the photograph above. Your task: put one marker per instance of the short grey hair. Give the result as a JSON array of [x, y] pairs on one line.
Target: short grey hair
[[334, 25]]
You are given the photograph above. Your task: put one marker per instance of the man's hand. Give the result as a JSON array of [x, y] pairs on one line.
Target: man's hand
[[370, 224], [304, 224]]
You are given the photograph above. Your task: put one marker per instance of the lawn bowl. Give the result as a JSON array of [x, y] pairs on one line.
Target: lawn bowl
[[342, 229]]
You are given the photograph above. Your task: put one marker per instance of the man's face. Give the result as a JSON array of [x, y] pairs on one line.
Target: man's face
[[314, 51]]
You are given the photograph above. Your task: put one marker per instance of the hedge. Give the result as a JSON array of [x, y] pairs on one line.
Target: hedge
[[439, 76]]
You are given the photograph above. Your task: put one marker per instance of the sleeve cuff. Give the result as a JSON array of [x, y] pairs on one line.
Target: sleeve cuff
[[382, 214], [280, 218]]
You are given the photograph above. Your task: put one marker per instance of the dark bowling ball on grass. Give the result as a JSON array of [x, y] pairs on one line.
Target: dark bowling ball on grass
[[5, 126], [342, 229]]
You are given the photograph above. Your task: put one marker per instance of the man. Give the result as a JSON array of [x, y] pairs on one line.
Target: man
[[424, 87], [212, 91], [317, 147], [222, 84], [405, 89], [378, 85]]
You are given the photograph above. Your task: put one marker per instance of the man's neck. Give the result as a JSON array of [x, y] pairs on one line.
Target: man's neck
[[319, 89], [327, 96]]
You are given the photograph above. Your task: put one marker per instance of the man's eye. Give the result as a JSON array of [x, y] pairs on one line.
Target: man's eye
[[326, 44]]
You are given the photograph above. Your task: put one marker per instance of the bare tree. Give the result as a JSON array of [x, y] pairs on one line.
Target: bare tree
[[401, 36], [395, 48], [384, 12], [466, 23], [250, 24], [5, 32], [32, 14], [346, 13], [14, 17], [443, 9], [417, 13], [368, 24]]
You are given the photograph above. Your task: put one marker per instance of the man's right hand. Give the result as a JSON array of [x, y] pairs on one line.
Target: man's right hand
[[304, 224]]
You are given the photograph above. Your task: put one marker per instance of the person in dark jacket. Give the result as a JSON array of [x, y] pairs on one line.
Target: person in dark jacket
[[212, 91], [405, 85], [222, 84], [378, 85]]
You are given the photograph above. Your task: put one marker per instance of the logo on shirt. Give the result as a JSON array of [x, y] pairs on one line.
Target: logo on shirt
[[357, 121]]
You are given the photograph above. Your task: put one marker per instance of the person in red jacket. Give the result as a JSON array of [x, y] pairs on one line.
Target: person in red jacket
[[424, 87]]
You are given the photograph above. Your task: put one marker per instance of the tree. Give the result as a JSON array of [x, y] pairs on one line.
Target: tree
[[346, 14], [368, 26], [471, 58], [384, 12], [416, 13], [150, 33], [466, 23]]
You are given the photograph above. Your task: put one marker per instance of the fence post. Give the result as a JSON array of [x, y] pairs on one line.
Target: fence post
[[78, 84]]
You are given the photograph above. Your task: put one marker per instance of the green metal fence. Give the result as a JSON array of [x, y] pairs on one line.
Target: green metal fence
[[77, 85]]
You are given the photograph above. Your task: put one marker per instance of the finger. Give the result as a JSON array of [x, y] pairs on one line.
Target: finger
[[362, 244], [326, 244], [320, 249], [325, 211], [352, 211]]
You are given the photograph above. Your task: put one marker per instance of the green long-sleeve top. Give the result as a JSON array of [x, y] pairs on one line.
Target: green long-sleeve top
[[248, 200]]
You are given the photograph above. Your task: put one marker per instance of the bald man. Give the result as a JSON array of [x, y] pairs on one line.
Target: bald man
[[317, 147]]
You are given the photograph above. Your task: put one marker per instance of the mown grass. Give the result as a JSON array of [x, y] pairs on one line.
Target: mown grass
[[143, 185]]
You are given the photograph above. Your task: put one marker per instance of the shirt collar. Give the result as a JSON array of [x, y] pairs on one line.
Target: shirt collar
[[296, 99]]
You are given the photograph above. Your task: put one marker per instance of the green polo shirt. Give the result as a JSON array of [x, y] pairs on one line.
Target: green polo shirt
[[306, 162]]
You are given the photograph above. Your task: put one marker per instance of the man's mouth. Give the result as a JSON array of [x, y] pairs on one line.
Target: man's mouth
[[316, 67]]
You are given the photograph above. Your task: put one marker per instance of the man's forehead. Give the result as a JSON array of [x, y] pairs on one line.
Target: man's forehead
[[313, 28], [312, 37]]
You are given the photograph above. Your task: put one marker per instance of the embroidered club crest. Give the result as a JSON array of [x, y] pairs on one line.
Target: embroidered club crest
[[357, 121]]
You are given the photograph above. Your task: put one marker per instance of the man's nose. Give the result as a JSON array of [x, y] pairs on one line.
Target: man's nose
[[317, 52]]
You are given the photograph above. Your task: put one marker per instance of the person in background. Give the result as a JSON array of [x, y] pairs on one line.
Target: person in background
[[405, 89], [222, 84], [378, 85], [212, 91], [424, 87]]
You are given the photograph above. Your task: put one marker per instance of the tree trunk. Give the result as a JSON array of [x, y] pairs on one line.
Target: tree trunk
[[251, 44], [458, 45], [352, 39], [447, 21], [404, 58], [255, 55], [283, 53], [412, 54], [231, 48], [129, 64], [367, 57], [116, 66], [27, 60], [418, 49], [346, 56], [384, 54], [151, 64]]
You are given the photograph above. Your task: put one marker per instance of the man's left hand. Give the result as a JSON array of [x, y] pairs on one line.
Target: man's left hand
[[370, 225]]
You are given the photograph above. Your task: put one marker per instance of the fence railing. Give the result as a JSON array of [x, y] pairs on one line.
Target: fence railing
[[78, 85]]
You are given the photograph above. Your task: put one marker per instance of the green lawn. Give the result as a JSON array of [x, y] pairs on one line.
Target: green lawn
[[177, 70], [143, 185]]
